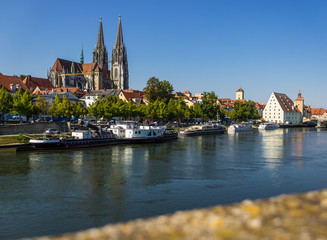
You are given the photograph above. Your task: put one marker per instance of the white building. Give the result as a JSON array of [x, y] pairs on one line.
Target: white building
[[239, 94], [280, 109], [92, 96]]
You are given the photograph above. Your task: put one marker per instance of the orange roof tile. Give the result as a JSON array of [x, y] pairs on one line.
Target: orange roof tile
[[7, 81], [33, 83], [318, 111]]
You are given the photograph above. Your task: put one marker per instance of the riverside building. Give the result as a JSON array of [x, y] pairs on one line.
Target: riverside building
[[281, 109]]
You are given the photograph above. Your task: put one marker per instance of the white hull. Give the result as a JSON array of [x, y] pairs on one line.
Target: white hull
[[268, 126], [240, 128]]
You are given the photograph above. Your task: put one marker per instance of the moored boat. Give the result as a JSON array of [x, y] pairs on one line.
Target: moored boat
[[241, 127], [79, 139], [131, 132], [198, 130], [268, 126]]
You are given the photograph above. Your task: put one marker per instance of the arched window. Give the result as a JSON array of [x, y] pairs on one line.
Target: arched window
[[116, 72]]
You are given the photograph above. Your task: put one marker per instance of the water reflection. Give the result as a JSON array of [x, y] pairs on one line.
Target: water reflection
[[272, 146], [53, 192]]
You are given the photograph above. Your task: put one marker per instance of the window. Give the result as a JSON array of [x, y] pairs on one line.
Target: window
[[116, 72]]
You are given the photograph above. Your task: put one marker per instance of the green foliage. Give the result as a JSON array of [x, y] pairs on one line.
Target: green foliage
[[244, 111], [42, 105], [209, 106], [22, 76], [6, 102], [158, 90], [23, 103]]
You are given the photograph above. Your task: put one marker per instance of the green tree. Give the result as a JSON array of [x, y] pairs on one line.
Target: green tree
[[55, 109], [158, 90], [42, 105], [97, 109], [209, 105], [80, 110], [172, 109], [22, 76], [243, 111], [23, 103], [6, 102]]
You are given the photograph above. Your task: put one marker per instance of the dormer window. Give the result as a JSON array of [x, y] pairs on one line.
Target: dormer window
[[18, 86], [13, 87]]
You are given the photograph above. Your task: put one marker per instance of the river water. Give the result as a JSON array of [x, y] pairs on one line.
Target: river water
[[54, 192]]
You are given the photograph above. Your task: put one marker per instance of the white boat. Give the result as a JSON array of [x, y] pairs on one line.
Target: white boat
[[241, 127], [199, 130], [268, 126], [131, 132]]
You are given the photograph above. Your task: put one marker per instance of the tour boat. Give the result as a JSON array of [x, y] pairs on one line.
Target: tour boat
[[241, 127], [79, 139], [131, 132], [268, 126], [198, 130]]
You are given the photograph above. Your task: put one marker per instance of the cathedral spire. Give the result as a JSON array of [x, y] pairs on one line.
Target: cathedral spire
[[82, 56], [119, 65], [100, 43], [100, 54], [119, 38]]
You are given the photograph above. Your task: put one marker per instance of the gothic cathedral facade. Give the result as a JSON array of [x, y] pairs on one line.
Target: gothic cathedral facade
[[95, 75]]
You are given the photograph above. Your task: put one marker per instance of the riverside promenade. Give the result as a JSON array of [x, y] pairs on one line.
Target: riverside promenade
[[298, 216]]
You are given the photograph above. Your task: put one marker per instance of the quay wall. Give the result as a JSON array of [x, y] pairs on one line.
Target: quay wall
[[296, 216], [31, 128]]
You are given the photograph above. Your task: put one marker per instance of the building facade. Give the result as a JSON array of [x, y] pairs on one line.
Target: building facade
[[239, 94], [281, 109], [95, 75]]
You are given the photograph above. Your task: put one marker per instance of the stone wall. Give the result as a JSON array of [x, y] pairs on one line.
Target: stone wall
[[298, 216], [32, 128]]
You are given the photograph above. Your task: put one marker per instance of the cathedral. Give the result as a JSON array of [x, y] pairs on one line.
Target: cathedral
[[95, 75]]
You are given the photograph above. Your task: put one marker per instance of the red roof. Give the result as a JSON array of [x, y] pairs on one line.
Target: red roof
[[32, 83], [318, 111], [8, 81], [239, 90]]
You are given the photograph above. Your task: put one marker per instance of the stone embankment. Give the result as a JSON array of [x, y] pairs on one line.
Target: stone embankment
[[298, 216], [31, 128]]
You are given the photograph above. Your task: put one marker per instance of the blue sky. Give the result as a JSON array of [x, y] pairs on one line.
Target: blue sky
[[209, 45]]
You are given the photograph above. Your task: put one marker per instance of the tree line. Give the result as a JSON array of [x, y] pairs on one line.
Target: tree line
[[161, 106]]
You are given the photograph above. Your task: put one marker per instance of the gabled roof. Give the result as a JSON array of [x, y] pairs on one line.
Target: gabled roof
[[88, 67], [61, 64], [32, 83], [318, 111], [285, 102], [102, 93], [239, 90], [132, 94], [7, 81]]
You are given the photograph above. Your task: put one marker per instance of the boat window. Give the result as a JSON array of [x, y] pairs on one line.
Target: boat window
[[139, 132], [149, 133], [154, 134], [135, 132]]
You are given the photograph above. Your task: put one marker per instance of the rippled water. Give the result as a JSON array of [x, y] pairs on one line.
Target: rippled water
[[47, 193]]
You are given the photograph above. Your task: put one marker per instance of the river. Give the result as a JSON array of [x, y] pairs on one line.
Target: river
[[54, 192]]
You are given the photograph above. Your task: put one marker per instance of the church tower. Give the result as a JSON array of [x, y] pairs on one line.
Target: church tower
[[100, 54], [299, 102], [119, 66]]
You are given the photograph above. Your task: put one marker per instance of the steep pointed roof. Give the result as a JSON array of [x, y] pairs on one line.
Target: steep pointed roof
[[100, 42], [119, 38], [82, 56]]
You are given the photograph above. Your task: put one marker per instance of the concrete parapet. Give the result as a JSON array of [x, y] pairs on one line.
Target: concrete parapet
[[31, 128], [298, 216]]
